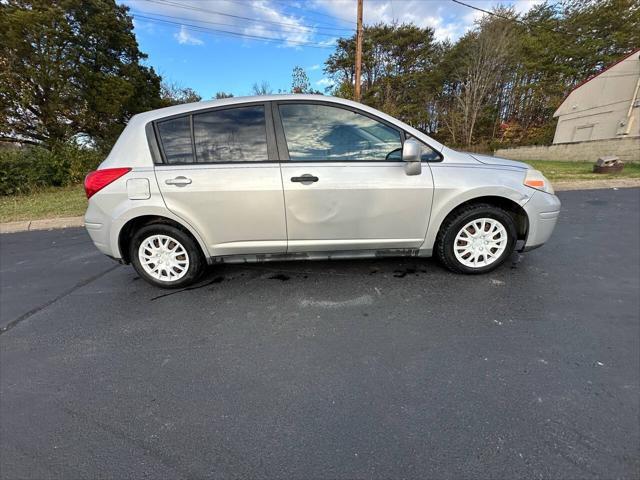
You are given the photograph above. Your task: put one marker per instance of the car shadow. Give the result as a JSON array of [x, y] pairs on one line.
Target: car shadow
[[285, 271]]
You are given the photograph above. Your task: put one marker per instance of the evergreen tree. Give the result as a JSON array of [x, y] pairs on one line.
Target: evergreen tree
[[70, 67]]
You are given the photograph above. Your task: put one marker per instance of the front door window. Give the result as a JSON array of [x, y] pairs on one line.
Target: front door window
[[317, 132]]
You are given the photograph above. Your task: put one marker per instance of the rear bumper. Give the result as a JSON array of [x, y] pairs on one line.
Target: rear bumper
[[543, 211], [98, 226], [100, 236]]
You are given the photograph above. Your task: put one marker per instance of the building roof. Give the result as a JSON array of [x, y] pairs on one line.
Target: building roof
[[593, 77]]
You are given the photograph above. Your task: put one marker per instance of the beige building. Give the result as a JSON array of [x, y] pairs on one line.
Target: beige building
[[606, 106]]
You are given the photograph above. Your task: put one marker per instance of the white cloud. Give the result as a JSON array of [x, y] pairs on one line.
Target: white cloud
[[525, 5], [141, 26], [325, 82], [184, 37], [328, 43], [449, 20], [275, 20], [421, 13], [314, 67], [285, 27], [473, 16]]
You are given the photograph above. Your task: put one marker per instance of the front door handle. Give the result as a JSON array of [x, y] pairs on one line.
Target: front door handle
[[305, 179], [178, 181]]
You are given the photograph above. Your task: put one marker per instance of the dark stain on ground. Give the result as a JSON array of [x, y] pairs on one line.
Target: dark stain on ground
[[597, 203], [405, 272], [279, 276]]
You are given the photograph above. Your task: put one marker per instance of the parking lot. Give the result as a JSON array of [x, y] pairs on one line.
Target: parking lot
[[347, 369]]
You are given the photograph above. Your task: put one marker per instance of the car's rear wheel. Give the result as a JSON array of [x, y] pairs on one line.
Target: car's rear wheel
[[166, 256], [476, 239]]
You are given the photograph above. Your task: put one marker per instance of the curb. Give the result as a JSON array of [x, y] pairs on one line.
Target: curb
[[44, 224], [563, 186], [67, 222]]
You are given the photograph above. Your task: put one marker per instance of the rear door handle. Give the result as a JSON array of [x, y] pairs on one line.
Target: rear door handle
[[178, 181], [306, 179]]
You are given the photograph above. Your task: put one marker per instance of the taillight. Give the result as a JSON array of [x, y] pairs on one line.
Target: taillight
[[96, 181]]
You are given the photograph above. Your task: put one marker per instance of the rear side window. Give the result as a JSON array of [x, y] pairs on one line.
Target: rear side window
[[231, 135], [175, 136], [218, 136]]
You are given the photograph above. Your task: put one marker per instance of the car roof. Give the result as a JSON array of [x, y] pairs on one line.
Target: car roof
[[152, 115], [190, 107]]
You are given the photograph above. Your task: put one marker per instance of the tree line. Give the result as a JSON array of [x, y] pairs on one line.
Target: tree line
[[73, 68], [500, 83]]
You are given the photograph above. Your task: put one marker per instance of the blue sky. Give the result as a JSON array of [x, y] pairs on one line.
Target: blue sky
[[185, 42]]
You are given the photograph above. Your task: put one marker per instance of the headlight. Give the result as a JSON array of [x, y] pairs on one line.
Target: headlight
[[535, 179]]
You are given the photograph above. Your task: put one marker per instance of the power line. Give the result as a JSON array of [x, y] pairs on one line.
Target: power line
[[293, 7], [240, 17], [516, 20], [308, 12], [213, 31], [306, 30]]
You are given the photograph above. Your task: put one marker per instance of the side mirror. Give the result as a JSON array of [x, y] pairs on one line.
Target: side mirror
[[411, 155]]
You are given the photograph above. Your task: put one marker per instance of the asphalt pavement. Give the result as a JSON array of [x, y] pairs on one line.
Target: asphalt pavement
[[387, 368]]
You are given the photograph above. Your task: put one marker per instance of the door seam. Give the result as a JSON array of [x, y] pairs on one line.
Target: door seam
[[284, 208]]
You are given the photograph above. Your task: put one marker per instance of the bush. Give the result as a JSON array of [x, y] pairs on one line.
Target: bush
[[29, 168]]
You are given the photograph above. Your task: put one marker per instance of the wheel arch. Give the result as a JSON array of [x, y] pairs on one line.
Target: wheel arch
[[510, 201], [131, 225]]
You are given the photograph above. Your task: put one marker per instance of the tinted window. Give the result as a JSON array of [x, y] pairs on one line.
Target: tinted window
[[175, 135], [231, 135], [321, 132]]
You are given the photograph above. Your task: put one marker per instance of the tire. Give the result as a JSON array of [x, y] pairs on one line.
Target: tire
[[179, 259], [485, 249]]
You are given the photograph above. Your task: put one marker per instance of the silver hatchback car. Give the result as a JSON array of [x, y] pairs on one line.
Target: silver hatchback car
[[293, 177]]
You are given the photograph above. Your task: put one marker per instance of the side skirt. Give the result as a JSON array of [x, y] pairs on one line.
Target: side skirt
[[332, 255]]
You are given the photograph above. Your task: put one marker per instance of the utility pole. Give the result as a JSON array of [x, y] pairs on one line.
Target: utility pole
[[356, 95]]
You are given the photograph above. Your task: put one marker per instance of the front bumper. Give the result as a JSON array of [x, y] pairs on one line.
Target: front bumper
[[543, 210]]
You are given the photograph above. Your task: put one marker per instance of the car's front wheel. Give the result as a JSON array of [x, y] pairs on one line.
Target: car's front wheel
[[166, 256], [476, 239]]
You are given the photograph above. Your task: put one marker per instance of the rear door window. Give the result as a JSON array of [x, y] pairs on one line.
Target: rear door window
[[231, 135], [227, 135]]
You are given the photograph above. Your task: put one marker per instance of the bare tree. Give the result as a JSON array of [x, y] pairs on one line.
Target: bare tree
[[172, 93], [480, 68], [263, 89]]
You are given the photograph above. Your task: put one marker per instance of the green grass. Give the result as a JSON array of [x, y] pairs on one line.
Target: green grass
[[46, 203], [71, 201], [559, 171]]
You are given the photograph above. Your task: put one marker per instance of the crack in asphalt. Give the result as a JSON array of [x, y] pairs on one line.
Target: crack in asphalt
[[35, 310], [217, 279]]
